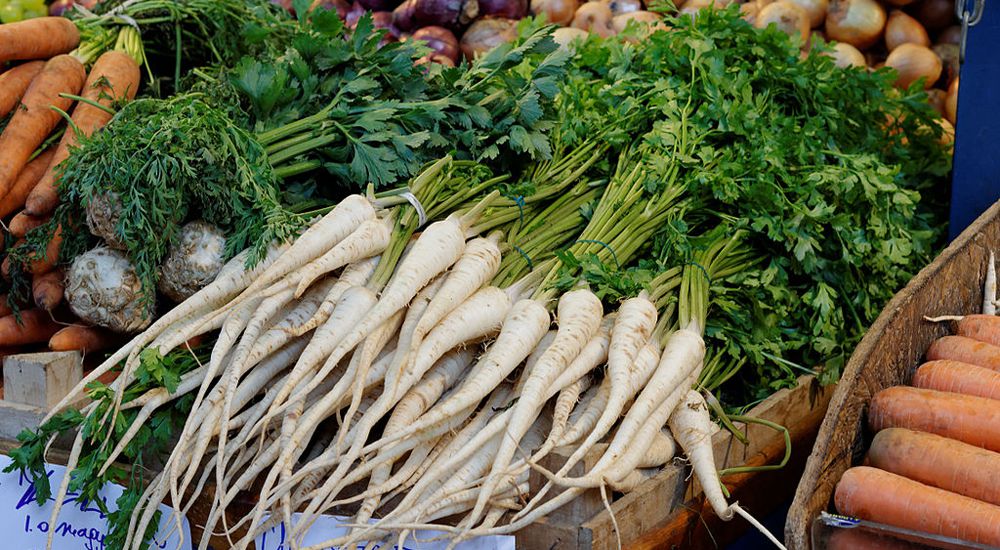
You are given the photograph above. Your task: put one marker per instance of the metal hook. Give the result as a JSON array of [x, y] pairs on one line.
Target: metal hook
[[969, 18]]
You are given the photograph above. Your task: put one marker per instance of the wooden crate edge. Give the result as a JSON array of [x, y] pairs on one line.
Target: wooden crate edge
[[657, 500]]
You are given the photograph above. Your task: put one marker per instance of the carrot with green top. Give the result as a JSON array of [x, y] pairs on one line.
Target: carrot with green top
[[39, 38], [14, 82], [114, 77], [36, 119]]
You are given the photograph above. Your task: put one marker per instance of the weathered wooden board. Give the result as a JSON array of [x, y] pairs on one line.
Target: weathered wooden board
[[651, 507], [892, 348]]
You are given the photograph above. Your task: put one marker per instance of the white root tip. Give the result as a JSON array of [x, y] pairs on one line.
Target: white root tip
[[944, 318], [735, 507]]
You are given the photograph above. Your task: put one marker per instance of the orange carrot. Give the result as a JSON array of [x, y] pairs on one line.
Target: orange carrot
[[985, 328], [876, 495], [939, 462], [5, 308], [22, 223], [974, 420], [14, 82], [47, 289], [32, 123], [966, 350], [958, 377], [36, 326], [115, 76], [39, 38], [26, 180], [81, 338]]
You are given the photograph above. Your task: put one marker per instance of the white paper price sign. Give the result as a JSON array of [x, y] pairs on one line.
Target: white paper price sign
[[81, 526], [330, 527]]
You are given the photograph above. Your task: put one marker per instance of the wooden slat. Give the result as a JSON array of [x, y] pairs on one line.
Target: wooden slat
[[886, 356], [651, 505]]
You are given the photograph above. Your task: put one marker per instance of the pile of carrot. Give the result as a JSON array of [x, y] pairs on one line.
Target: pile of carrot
[[48, 101], [932, 464]]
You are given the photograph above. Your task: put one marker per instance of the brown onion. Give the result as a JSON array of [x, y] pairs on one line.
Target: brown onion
[[935, 14], [441, 40], [816, 10], [951, 102], [913, 62], [948, 132], [857, 22], [487, 33], [951, 35], [692, 7], [560, 12], [788, 17], [903, 29], [564, 36], [619, 7], [435, 58], [642, 18], [936, 98], [594, 17], [845, 55], [749, 11], [949, 57]]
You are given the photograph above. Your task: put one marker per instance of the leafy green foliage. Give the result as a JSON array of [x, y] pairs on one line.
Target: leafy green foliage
[[362, 111], [153, 439], [168, 160], [835, 174]]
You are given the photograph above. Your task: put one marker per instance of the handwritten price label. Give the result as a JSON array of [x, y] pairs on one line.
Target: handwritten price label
[[330, 527], [81, 524]]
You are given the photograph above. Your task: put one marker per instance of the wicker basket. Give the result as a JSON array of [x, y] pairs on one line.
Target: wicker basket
[[887, 356]]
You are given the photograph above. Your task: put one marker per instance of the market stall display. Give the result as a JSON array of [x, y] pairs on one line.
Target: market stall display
[[367, 251]]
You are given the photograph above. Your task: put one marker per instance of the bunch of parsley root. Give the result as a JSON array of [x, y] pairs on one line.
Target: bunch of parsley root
[[773, 200]]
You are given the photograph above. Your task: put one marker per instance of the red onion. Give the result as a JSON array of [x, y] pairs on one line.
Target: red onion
[[378, 5], [342, 7], [511, 9], [935, 14], [60, 7], [619, 7], [487, 33], [951, 35], [402, 16], [445, 13], [559, 12], [353, 14], [949, 57], [441, 40]]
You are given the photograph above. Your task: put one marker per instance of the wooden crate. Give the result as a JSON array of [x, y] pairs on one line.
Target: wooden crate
[[887, 356], [667, 510]]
